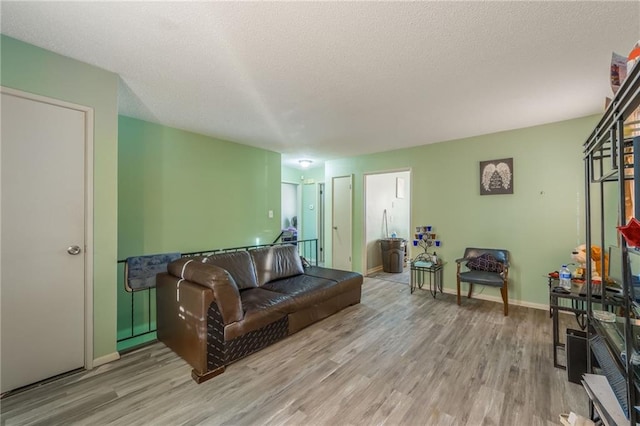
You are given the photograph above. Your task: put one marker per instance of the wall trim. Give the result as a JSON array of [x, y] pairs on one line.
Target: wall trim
[[498, 299], [374, 270], [105, 359]]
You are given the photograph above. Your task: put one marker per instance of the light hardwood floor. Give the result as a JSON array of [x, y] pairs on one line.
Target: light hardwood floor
[[396, 359]]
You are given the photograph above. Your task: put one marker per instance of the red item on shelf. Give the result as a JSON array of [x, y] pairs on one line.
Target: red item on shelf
[[631, 232]]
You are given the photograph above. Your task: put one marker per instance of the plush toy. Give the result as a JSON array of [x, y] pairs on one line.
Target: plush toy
[[579, 255]]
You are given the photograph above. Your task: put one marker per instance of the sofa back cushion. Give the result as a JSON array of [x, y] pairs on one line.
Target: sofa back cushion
[[272, 263], [239, 265]]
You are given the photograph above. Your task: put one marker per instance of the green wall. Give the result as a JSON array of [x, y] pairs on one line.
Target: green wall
[[290, 174], [540, 223], [295, 175], [181, 191], [184, 192], [31, 69]]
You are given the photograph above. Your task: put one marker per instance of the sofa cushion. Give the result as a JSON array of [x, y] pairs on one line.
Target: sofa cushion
[[239, 264], [343, 278], [298, 284], [259, 299], [272, 263], [261, 307], [304, 290]]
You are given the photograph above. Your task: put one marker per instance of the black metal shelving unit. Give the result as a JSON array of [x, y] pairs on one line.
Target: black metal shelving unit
[[607, 155]]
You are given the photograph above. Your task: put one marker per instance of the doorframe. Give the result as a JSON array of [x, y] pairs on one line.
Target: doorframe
[[321, 222], [333, 212], [88, 208], [364, 210], [298, 186]]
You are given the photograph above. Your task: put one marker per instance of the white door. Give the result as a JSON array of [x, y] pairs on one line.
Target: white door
[[341, 223], [42, 279]]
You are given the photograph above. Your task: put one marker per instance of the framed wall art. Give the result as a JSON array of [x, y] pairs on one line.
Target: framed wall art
[[496, 177]]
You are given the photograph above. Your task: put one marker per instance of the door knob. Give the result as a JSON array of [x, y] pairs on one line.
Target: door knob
[[74, 250]]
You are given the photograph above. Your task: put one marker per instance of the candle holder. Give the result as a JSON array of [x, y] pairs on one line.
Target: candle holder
[[425, 239]]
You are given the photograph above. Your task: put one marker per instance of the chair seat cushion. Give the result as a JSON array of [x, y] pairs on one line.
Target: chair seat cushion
[[482, 277]]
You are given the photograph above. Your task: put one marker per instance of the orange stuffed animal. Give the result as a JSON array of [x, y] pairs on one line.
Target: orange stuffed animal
[[597, 261]]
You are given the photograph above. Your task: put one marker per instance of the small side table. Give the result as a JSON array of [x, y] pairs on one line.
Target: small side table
[[575, 302], [419, 270]]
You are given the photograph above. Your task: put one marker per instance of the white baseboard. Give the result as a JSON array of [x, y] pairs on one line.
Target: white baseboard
[[106, 359], [498, 299], [374, 270]]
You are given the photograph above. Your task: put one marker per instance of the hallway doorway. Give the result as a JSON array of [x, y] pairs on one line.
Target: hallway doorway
[[387, 211]]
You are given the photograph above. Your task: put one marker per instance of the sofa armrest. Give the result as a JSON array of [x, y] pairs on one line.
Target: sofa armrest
[[182, 318], [224, 287]]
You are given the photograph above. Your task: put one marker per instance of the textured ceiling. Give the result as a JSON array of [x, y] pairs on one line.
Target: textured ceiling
[[324, 80]]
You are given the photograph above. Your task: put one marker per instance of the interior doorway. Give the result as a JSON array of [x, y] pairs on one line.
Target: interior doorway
[[290, 209], [387, 213], [46, 180]]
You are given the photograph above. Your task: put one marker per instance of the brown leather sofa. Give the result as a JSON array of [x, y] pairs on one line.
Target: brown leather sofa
[[217, 309]]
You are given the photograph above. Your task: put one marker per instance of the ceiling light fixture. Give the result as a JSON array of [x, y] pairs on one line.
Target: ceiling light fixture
[[305, 163]]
